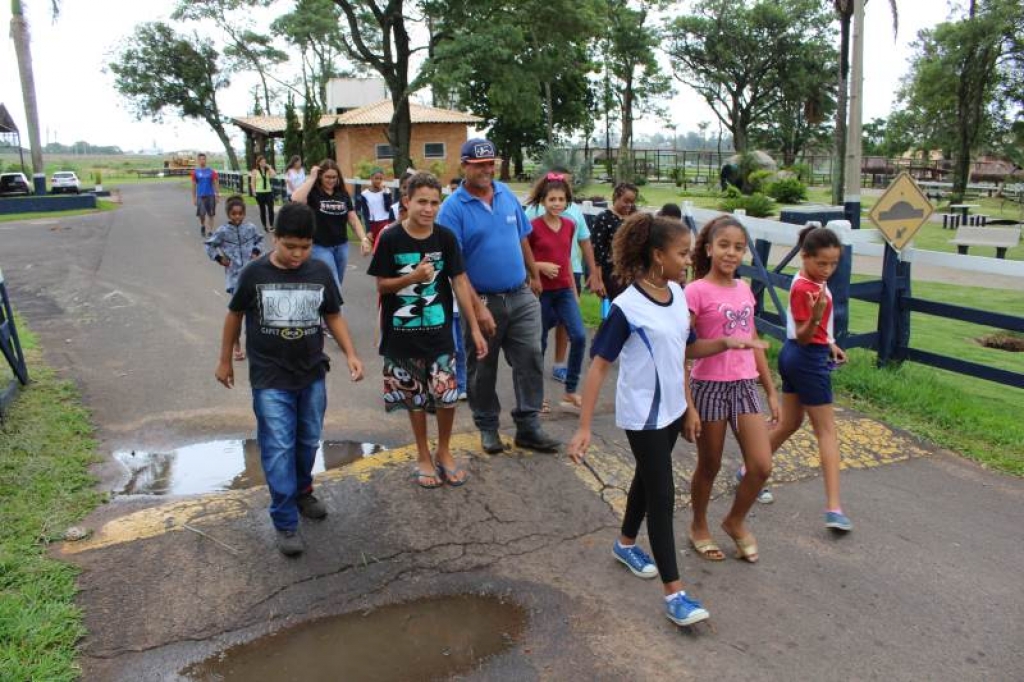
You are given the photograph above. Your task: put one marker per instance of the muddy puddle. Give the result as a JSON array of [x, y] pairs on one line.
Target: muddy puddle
[[219, 465], [428, 639]]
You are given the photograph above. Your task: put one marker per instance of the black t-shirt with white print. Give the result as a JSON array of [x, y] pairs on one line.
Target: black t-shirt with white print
[[416, 322], [282, 309], [331, 211]]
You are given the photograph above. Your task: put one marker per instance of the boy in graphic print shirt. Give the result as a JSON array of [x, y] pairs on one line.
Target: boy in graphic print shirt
[[418, 266], [282, 298]]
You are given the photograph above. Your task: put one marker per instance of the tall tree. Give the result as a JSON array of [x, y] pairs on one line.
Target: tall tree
[[157, 69], [747, 58], [23, 54], [313, 28], [635, 79], [377, 36], [246, 48], [522, 67], [292, 131], [844, 13], [314, 147]]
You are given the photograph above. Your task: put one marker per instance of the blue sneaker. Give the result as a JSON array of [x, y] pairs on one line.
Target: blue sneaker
[[682, 609], [636, 560], [764, 497], [838, 521], [559, 374]]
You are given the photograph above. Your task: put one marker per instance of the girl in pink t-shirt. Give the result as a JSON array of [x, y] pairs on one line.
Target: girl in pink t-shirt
[[724, 386]]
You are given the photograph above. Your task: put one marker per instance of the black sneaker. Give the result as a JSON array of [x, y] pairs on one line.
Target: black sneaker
[[311, 507], [537, 440], [289, 543]]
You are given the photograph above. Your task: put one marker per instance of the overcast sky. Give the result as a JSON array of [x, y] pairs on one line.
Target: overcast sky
[[77, 100]]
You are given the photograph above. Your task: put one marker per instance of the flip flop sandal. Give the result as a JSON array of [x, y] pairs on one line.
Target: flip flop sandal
[[448, 475], [746, 548], [545, 407], [707, 549], [421, 475]]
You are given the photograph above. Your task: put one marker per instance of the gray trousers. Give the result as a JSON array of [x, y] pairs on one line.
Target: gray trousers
[[518, 320]]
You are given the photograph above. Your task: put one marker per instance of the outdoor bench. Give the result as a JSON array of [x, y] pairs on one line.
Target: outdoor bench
[[1002, 238]]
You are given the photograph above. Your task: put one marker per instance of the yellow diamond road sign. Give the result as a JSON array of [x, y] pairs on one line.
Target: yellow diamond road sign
[[901, 211]]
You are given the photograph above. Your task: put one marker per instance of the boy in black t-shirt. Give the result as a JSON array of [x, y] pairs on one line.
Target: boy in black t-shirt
[[282, 297], [418, 264]]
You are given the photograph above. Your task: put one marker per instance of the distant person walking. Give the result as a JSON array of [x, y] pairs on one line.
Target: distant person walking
[[294, 176], [205, 193], [492, 231], [324, 192], [232, 245], [260, 177]]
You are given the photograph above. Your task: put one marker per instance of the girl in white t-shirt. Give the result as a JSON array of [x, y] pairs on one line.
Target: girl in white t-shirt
[[294, 175], [724, 387], [647, 331]]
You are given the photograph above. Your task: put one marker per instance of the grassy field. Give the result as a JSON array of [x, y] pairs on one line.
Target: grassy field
[[46, 446], [976, 418]]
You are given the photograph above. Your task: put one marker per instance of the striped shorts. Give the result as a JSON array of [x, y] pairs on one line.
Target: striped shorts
[[720, 400]]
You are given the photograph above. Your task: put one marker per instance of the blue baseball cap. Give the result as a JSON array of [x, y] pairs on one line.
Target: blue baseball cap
[[477, 150]]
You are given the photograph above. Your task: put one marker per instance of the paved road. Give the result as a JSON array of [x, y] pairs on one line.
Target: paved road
[[927, 587]]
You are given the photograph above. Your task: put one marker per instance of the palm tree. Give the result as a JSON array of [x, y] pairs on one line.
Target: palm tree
[[844, 10], [22, 49]]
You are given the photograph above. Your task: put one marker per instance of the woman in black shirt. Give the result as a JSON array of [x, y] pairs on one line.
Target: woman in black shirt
[[603, 231], [324, 192]]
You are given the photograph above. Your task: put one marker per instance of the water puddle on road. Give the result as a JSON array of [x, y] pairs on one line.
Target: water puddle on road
[[220, 465], [427, 639]]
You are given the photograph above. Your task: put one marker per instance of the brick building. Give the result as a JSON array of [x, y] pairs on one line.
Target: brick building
[[360, 136]]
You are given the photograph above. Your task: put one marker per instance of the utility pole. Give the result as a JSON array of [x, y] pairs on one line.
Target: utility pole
[[851, 196]]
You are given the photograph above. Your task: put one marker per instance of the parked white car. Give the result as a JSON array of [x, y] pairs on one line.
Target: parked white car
[[65, 181]]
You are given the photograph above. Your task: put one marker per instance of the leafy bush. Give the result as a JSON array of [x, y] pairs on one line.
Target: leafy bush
[[802, 171], [678, 176], [640, 181], [573, 160], [788, 190], [364, 169], [759, 180], [756, 205]]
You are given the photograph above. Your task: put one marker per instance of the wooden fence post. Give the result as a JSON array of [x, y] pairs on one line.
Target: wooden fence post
[[839, 285], [894, 309]]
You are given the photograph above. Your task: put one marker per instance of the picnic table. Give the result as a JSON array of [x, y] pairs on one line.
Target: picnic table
[[964, 209]]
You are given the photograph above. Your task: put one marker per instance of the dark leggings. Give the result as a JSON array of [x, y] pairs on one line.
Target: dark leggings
[[266, 202], [653, 494]]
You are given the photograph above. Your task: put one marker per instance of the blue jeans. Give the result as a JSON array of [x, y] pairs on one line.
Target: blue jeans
[[288, 427], [460, 353], [336, 258], [560, 307]]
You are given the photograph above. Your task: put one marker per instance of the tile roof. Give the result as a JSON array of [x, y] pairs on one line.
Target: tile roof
[[378, 113]]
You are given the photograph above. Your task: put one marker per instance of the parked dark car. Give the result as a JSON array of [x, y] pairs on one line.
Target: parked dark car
[[14, 183]]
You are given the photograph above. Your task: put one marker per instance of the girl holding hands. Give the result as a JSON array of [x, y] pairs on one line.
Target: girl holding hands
[[725, 386], [647, 330]]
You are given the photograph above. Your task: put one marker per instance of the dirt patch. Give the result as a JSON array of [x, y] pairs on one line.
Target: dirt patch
[[1003, 341]]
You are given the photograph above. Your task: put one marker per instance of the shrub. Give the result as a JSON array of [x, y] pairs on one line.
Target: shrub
[[788, 191], [756, 205], [573, 160], [759, 180], [678, 176], [364, 169], [802, 171]]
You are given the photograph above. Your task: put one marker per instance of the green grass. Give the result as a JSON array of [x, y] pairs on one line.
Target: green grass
[[979, 419], [101, 205], [46, 447]]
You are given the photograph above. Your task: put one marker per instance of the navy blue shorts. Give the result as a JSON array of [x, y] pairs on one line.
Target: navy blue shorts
[[804, 371]]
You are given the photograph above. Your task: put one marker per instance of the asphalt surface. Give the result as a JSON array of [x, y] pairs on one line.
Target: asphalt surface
[[126, 304]]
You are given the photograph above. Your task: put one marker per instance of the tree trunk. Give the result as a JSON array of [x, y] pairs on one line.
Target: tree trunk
[[23, 51], [839, 176], [506, 166], [624, 162], [549, 115], [222, 135], [400, 132]]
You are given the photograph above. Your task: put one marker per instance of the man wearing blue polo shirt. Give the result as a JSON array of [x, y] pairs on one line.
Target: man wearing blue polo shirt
[[491, 229]]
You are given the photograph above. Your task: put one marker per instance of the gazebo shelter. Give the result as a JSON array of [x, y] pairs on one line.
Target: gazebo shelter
[[360, 135], [8, 128]]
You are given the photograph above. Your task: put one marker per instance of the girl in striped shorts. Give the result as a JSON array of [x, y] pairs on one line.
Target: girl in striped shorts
[[724, 386]]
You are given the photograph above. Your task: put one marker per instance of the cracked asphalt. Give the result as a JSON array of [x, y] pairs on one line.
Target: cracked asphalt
[[125, 303]]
